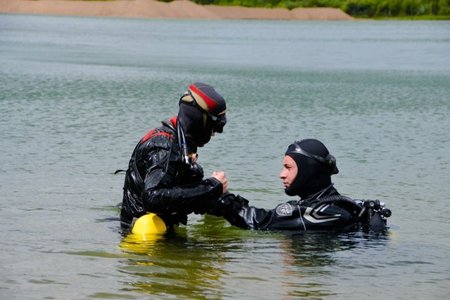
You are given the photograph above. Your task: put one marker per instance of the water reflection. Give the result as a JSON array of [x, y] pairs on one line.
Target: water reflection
[[208, 258], [312, 259], [174, 264]]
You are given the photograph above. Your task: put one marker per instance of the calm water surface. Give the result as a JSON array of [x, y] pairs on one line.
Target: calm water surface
[[76, 94]]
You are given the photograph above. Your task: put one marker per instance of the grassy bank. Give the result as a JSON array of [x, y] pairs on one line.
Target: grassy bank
[[397, 9]]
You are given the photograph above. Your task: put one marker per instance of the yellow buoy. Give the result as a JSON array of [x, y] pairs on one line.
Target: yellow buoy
[[149, 224], [146, 231]]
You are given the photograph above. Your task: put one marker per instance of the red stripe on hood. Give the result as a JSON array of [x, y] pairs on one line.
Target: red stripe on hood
[[211, 103]]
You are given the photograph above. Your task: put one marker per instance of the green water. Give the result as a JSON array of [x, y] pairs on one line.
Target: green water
[[76, 94]]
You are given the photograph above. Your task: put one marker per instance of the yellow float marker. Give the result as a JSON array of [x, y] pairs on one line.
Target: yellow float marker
[[145, 232], [149, 224]]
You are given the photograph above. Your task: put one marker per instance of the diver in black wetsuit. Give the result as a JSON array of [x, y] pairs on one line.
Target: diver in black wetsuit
[[306, 172], [163, 175]]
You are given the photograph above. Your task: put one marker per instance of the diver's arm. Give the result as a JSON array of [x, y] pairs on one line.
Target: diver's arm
[[160, 196], [235, 209], [287, 216]]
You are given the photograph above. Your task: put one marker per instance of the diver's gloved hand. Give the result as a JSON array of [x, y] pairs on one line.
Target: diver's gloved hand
[[226, 204], [194, 173]]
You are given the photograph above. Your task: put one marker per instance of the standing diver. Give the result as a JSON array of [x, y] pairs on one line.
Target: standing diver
[[163, 176], [306, 172]]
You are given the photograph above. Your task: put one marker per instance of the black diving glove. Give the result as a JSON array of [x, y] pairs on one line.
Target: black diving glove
[[226, 204]]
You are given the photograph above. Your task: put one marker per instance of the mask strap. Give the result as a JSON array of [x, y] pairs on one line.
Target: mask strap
[[328, 160]]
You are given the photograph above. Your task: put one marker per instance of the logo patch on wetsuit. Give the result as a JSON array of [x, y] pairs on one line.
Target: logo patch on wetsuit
[[284, 209]]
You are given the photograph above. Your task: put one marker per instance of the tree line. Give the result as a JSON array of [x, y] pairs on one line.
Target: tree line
[[356, 8]]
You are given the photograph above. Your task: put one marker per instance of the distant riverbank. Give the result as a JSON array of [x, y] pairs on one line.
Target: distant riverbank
[[179, 9]]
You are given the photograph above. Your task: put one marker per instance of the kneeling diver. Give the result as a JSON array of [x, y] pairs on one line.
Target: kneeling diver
[[306, 172]]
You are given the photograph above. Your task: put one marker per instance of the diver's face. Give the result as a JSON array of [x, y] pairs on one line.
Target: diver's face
[[211, 126], [288, 171]]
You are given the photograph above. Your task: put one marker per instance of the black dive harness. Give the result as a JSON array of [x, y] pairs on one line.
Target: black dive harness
[[370, 214]]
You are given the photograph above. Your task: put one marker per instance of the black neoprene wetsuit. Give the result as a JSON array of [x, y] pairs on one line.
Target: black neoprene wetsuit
[[325, 210], [158, 181]]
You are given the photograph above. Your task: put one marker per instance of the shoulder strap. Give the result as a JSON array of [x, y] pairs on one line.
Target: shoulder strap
[[330, 198], [342, 201]]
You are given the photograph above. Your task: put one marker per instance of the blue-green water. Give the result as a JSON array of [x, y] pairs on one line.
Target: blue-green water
[[76, 94]]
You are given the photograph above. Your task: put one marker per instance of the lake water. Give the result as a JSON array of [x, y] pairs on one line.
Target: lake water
[[76, 94]]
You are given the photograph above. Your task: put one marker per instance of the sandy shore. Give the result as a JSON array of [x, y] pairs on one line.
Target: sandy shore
[[179, 9]]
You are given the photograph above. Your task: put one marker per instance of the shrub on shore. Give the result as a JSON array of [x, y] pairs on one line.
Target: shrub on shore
[[355, 8]]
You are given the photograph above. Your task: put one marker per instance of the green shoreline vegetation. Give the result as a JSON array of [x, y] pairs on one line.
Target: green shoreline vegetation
[[392, 9]]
